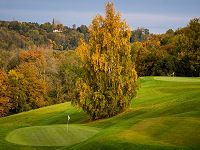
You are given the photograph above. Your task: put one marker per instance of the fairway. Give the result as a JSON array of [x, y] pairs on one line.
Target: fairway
[[165, 115], [54, 135], [178, 79]]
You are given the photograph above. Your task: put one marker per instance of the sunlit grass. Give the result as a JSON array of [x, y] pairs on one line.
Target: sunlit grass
[[164, 115]]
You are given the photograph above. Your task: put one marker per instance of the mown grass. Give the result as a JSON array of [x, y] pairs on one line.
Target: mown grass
[[164, 115], [51, 135]]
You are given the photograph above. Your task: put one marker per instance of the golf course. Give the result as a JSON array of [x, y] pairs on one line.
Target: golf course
[[165, 115]]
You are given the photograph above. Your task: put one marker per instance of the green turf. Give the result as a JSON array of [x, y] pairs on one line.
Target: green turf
[[54, 135], [164, 115], [178, 79]]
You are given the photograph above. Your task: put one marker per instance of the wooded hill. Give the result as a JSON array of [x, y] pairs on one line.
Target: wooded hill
[[16, 34], [24, 35]]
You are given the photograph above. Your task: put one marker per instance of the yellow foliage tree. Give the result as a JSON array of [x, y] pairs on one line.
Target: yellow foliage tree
[[5, 95], [28, 88], [108, 82]]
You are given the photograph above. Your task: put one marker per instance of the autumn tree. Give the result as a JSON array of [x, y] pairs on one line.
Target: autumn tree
[[108, 82], [140, 34], [69, 71], [28, 88], [5, 95], [139, 54], [187, 43]]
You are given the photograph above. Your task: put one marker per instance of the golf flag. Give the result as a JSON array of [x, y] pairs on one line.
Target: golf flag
[[68, 117]]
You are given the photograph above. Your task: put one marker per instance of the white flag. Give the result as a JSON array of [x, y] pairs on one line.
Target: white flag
[[68, 117]]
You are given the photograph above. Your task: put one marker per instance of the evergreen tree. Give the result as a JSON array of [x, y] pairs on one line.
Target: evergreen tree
[[108, 82]]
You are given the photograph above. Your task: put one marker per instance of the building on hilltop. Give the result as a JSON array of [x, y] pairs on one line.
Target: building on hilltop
[[57, 26]]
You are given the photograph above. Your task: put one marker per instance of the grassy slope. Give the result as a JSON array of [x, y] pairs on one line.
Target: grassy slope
[[165, 115]]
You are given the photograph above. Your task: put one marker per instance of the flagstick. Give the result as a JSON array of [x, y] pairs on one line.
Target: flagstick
[[67, 125], [68, 117]]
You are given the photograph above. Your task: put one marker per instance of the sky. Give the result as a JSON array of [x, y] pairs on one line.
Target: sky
[[156, 15]]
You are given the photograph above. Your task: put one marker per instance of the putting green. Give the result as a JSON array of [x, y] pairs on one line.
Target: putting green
[[54, 135], [178, 79]]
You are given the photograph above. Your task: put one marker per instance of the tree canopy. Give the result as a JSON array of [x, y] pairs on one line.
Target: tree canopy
[[108, 82]]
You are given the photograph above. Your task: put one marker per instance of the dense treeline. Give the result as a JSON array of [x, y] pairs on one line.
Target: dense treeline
[[31, 79], [173, 53]]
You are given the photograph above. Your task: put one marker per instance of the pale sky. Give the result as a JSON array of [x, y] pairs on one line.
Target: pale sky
[[156, 15]]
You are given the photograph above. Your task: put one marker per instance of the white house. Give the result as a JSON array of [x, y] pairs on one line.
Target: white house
[[57, 30]]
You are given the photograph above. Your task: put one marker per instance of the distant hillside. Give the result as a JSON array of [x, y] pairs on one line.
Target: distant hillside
[[14, 34]]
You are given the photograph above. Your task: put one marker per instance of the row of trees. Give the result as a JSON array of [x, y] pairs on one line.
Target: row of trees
[[173, 52]]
